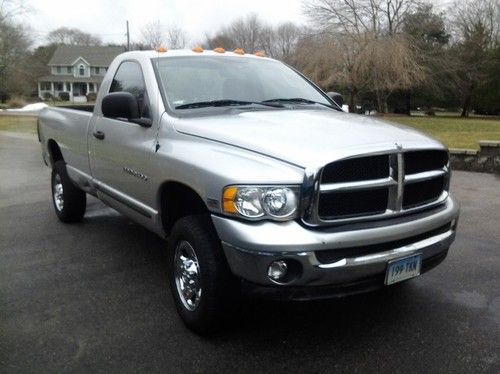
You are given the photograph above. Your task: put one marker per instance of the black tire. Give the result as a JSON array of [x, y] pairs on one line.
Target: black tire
[[74, 200], [219, 299]]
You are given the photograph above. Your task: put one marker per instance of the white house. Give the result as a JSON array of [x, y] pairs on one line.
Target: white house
[[77, 70]]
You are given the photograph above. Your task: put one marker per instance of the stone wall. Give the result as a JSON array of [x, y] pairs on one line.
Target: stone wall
[[486, 160]]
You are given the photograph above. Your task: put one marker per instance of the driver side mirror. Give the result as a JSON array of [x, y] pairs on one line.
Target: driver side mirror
[[335, 96], [123, 105]]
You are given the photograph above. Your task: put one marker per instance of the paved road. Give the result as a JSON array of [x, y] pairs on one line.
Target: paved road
[[93, 297]]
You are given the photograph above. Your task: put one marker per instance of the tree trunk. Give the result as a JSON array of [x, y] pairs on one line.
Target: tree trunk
[[352, 100], [467, 101], [386, 107], [379, 101], [407, 109]]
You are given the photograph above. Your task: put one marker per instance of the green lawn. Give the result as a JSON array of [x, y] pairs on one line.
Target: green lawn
[[18, 124], [455, 132]]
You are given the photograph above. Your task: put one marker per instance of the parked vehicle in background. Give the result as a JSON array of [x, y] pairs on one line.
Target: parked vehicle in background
[[255, 176]]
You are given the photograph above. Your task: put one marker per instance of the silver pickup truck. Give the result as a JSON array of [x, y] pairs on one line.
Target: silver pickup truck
[[256, 178]]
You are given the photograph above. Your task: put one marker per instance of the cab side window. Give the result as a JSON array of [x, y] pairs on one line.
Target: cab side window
[[128, 78]]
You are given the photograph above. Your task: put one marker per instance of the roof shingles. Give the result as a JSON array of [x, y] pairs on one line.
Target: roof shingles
[[96, 56]]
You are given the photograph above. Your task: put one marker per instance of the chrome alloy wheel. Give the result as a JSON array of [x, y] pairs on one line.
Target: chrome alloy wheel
[[187, 275], [58, 191]]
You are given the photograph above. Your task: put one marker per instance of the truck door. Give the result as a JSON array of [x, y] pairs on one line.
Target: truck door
[[120, 150]]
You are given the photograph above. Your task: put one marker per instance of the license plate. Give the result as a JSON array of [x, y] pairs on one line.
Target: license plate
[[402, 269]]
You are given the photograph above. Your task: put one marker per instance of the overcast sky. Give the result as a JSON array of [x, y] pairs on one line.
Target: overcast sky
[[107, 18]]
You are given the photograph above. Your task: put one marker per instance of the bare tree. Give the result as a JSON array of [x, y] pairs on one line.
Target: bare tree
[[362, 32], [12, 8], [358, 17], [176, 37], [284, 40], [468, 16], [72, 36], [152, 35], [14, 48], [332, 61], [220, 39], [391, 64], [155, 35], [248, 33]]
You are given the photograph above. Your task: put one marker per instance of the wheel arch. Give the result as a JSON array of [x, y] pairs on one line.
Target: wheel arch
[[54, 151], [178, 200]]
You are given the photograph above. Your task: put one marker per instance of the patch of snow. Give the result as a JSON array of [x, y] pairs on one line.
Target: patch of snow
[[36, 107]]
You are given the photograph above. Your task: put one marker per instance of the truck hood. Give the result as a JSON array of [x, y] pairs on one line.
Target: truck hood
[[306, 138]]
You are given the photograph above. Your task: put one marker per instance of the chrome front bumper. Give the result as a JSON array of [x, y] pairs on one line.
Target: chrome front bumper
[[251, 247]]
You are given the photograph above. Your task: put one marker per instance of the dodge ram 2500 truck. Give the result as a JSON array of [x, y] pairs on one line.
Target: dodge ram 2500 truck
[[254, 176]]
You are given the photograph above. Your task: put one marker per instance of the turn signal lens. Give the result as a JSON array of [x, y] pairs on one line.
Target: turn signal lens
[[228, 200]]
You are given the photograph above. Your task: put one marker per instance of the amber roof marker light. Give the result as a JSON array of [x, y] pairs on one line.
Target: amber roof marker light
[[197, 50], [239, 51], [219, 50], [161, 49], [260, 54]]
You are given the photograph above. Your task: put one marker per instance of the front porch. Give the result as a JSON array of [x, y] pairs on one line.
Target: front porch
[[60, 89]]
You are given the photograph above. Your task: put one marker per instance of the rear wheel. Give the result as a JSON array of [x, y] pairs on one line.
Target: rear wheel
[[205, 292], [69, 201]]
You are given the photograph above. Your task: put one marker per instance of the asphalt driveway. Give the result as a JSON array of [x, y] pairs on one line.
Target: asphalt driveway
[[94, 297]]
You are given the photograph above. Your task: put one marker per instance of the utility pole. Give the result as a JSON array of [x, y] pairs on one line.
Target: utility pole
[[128, 38]]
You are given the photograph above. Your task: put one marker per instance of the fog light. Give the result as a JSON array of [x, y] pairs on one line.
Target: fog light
[[277, 270]]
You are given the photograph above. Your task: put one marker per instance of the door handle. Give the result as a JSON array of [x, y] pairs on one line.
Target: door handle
[[99, 135]]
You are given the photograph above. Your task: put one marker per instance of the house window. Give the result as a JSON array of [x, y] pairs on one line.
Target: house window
[[68, 86], [45, 86], [58, 69], [69, 69], [59, 86], [82, 70], [91, 87], [97, 70]]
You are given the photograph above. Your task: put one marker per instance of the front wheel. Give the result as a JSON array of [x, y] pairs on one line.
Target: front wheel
[[69, 201], [205, 292]]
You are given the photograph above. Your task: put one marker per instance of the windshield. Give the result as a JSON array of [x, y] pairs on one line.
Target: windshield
[[225, 81]]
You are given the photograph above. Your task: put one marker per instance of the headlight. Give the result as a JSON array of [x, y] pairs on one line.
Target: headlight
[[259, 202]]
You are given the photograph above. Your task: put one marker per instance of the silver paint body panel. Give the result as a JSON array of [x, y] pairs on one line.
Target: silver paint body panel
[[278, 146]]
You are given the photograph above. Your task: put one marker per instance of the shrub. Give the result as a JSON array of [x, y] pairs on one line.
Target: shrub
[[34, 98], [430, 112], [47, 96], [64, 96], [16, 102], [91, 96]]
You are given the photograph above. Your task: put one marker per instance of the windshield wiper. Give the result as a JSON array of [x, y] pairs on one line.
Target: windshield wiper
[[297, 100], [222, 103]]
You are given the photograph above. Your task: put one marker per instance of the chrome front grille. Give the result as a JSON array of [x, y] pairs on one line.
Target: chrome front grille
[[378, 186]]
